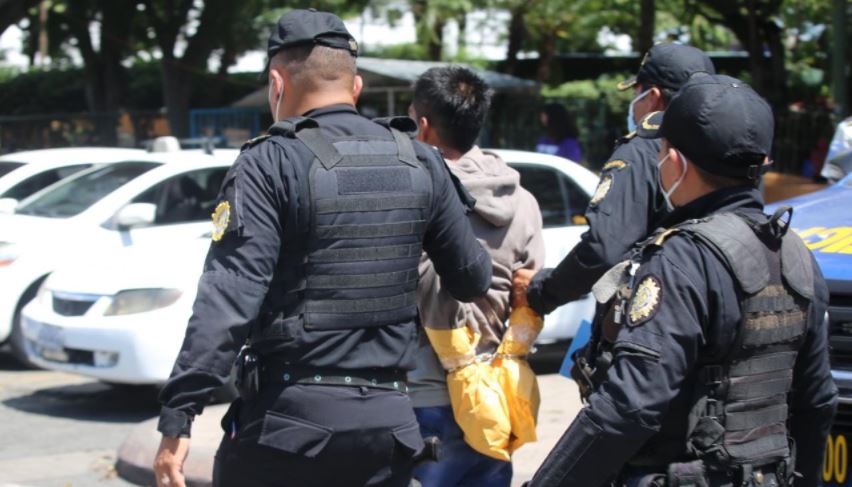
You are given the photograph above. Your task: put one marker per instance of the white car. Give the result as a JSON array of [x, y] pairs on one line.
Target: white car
[[157, 197], [24, 173], [123, 318]]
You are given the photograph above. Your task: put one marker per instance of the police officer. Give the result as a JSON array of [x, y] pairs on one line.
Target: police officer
[[721, 356], [627, 205], [313, 266]]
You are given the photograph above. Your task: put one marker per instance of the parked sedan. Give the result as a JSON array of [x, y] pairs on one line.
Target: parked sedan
[[122, 318], [24, 173], [158, 197]]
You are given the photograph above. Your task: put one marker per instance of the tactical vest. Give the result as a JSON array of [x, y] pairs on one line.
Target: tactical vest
[[353, 262], [739, 409]]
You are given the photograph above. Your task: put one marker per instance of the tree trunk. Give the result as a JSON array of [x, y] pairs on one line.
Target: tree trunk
[[546, 54], [517, 34], [647, 17], [177, 86], [436, 40]]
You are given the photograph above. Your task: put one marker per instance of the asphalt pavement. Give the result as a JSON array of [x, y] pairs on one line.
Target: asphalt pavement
[[62, 430]]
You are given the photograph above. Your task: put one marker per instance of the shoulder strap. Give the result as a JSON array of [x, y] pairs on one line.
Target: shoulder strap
[[403, 129], [735, 241], [307, 130], [797, 265]]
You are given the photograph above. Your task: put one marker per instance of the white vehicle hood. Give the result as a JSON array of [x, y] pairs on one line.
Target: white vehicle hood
[[173, 266], [24, 228]]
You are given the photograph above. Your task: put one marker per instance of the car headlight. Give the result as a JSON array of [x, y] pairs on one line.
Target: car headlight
[[142, 300], [8, 253]]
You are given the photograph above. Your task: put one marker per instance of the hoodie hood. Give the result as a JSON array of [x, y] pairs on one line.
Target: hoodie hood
[[492, 182]]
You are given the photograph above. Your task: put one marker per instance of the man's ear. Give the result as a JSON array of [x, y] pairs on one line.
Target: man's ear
[[656, 98], [357, 86], [423, 129]]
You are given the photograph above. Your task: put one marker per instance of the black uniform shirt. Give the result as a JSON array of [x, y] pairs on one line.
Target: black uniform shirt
[[240, 268], [627, 206], [649, 386]]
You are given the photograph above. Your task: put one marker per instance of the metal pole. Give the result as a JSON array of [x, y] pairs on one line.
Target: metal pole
[[839, 69]]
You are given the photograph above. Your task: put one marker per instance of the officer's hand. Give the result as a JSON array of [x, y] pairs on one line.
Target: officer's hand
[[520, 283], [168, 465]]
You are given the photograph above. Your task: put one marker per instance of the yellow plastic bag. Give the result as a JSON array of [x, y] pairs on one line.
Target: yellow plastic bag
[[517, 379], [495, 404]]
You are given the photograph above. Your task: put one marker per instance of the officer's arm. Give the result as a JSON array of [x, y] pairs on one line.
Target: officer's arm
[[653, 356], [814, 397], [231, 290], [462, 263], [618, 218]]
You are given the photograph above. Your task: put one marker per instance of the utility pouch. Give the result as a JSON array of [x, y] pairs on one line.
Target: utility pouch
[[690, 474], [248, 373], [431, 451]]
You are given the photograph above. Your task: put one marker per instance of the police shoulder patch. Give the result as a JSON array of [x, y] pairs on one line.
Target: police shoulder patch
[[221, 220], [603, 188], [645, 300], [615, 164]]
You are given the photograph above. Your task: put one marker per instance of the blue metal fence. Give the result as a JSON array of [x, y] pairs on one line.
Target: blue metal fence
[[234, 125]]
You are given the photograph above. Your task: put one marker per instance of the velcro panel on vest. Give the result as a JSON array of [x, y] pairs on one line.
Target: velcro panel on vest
[[372, 305], [757, 386], [377, 203], [360, 281], [746, 420], [763, 364], [366, 254], [751, 446]]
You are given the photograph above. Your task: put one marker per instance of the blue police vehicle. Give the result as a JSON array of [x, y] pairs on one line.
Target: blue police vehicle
[[824, 221]]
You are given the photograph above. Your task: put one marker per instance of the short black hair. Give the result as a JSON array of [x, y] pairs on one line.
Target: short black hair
[[313, 65], [455, 101]]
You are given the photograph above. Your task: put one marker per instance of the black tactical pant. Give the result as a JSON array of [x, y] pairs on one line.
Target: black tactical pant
[[316, 435]]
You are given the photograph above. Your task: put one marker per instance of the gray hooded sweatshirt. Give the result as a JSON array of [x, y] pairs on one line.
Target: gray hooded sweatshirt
[[508, 224]]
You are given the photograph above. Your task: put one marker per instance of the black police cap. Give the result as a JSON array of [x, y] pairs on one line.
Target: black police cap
[[303, 27], [670, 65], [717, 122]]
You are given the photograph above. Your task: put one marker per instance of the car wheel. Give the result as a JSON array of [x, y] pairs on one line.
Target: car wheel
[[17, 341]]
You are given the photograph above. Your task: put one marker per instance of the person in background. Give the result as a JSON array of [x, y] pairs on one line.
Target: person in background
[[471, 388], [561, 133]]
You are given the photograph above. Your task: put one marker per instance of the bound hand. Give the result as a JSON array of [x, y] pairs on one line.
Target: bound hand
[[520, 283], [168, 464]]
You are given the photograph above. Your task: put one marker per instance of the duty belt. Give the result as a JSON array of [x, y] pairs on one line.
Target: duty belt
[[393, 379]]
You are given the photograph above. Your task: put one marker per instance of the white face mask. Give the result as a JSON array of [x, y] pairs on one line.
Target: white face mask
[[667, 195], [278, 104], [631, 119]]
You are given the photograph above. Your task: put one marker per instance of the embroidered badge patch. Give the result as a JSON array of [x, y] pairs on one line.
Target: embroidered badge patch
[[645, 300], [616, 164], [221, 219], [602, 190]]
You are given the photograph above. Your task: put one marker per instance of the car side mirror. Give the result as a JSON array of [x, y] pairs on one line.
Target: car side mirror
[[8, 205], [136, 215]]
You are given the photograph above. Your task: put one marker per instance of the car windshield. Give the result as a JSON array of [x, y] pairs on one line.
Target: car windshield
[[75, 195], [7, 166]]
